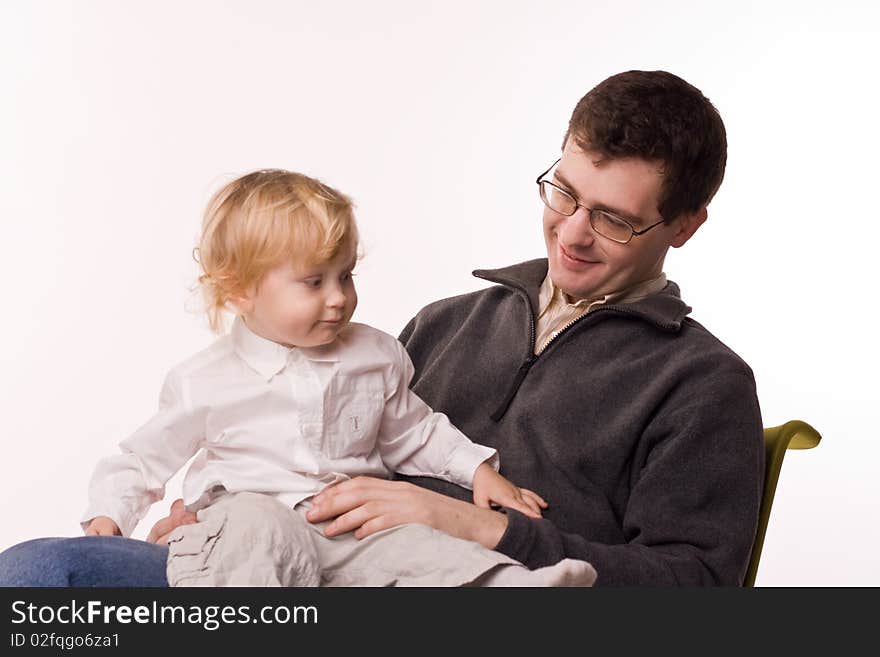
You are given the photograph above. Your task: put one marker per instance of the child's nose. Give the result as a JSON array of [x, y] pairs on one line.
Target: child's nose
[[336, 298]]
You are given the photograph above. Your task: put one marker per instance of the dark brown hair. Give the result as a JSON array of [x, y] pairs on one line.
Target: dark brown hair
[[655, 115]]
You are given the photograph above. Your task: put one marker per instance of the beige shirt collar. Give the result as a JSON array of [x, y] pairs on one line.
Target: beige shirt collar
[[555, 310], [549, 292]]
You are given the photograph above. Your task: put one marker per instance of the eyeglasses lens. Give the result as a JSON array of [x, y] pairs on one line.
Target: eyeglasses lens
[[610, 226], [557, 200]]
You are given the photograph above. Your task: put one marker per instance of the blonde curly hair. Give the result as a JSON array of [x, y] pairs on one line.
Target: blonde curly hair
[[260, 220]]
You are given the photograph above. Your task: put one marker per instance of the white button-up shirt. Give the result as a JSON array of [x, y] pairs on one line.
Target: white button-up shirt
[[287, 422]]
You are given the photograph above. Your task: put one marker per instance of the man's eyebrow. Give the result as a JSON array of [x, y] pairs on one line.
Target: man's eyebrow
[[637, 221], [562, 179]]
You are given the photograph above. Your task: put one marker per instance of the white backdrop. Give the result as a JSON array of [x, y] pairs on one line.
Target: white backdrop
[[119, 119]]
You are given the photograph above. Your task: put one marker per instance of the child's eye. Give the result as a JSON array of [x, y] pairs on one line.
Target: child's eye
[[347, 276], [313, 282]]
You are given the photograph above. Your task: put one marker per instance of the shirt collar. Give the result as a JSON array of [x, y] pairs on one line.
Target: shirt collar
[[665, 309], [551, 294], [639, 290], [267, 357]]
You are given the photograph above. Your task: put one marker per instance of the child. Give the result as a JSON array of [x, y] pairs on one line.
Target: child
[[294, 399]]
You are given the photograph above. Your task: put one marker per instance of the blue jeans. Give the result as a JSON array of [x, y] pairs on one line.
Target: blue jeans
[[104, 561]]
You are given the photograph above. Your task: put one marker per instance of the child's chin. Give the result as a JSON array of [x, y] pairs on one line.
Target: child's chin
[[327, 336]]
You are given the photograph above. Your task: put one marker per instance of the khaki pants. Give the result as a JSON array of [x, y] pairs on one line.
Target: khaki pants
[[250, 539]]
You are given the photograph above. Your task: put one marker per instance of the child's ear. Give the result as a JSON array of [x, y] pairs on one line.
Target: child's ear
[[243, 304]]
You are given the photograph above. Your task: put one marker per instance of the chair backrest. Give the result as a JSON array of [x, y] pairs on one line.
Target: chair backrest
[[794, 434]]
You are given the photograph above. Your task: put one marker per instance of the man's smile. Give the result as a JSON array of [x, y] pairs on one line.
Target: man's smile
[[572, 261]]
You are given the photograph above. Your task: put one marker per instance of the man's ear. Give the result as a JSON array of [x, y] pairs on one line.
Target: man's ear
[[687, 226]]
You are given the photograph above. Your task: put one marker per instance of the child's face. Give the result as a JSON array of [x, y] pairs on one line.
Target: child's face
[[302, 306]]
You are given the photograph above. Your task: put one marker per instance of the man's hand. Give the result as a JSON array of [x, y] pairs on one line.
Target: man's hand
[[367, 505], [489, 487], [163, 528], [103, 526]]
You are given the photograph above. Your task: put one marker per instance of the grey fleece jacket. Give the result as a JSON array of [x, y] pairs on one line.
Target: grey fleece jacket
[[639, 427]]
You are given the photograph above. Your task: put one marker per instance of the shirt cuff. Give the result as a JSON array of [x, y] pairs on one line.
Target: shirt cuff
[[124, 520], [465, 460]]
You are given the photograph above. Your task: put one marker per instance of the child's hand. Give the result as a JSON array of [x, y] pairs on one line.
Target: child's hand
[[489, 486], [103, 526]]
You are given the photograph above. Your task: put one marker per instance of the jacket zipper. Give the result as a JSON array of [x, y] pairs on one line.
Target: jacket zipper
[[560, 332], [533, 357], [523, 369]]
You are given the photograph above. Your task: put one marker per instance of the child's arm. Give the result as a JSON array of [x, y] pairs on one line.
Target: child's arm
[[414, 440], [124, 486]]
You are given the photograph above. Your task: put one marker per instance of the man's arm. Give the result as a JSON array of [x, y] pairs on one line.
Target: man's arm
[[367, 505], [692, 510], [690, 519]]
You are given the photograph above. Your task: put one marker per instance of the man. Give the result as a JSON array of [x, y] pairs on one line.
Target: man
[[639, 428]]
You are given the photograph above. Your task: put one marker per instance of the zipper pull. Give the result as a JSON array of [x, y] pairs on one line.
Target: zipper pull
[[517, 381]]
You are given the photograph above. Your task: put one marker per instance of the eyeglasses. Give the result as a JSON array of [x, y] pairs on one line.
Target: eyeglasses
[[607, 224]]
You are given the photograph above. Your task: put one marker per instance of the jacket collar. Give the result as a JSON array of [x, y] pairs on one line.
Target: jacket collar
[[665, 309], [268, 358]]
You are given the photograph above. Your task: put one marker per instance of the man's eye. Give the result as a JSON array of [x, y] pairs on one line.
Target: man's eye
[[613, 221]]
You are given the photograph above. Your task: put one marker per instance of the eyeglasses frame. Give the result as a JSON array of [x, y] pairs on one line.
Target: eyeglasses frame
[[633, 232]]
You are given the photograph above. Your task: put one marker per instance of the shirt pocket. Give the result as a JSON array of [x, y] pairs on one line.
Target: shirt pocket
[[353, 413]]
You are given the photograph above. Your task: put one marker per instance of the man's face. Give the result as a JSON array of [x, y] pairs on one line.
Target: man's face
[[586, 265]]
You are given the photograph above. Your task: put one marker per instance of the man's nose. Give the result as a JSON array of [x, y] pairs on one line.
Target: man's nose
[[577, 230]]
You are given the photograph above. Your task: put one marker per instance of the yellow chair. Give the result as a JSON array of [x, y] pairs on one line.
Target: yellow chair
[[791, 435]]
